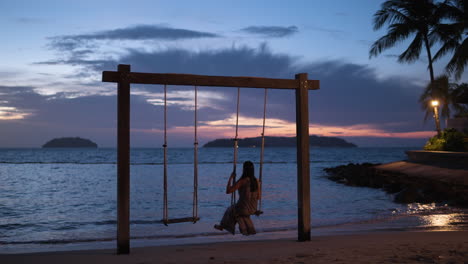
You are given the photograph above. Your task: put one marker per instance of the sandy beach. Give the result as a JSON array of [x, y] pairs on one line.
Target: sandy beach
[[388, 247]]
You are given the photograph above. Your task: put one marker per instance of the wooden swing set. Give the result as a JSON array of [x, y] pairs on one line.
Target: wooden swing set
[[124, 77]]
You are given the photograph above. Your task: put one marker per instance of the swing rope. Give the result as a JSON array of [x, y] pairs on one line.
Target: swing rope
[[195, 162], [233, 195], [262, 151], [165, 212], [194, 217]]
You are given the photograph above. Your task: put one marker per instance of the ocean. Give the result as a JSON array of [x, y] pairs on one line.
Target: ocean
[[61, 199]]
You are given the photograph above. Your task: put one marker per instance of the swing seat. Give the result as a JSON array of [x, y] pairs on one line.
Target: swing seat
[[180, 220]]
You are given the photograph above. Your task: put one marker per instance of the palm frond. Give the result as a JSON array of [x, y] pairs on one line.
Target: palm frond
[[390, 13], [440, 89], [459, 60], [447, 47], [450, 35], [411, 54], [397, 33], [404, 18]]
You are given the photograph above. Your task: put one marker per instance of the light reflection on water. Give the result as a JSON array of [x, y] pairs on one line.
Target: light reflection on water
[[439, 220]]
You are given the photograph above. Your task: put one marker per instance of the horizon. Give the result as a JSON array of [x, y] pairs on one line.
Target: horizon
[[407, 145]]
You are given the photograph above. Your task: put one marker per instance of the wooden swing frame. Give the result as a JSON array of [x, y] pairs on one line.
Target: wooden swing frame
[[124, 77]]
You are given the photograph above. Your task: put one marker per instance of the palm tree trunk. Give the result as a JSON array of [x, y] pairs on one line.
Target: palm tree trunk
[[431, 72], [429, 57]]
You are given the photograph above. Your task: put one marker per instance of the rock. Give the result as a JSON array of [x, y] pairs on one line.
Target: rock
[[408, 188], [409, 195], [353, 174], [392, 187]]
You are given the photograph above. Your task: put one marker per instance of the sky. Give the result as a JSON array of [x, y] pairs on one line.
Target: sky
[[53, 54]]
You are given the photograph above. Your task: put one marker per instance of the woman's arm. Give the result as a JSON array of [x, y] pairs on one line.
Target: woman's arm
[[232, 187]]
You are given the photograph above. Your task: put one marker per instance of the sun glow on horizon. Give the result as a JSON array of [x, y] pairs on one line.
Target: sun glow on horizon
[[252, 127]]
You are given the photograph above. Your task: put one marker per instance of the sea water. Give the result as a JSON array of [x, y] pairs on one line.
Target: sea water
[[68, 196]]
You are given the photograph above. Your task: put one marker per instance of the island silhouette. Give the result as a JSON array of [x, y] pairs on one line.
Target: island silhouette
[[70, 142], [316, 141]]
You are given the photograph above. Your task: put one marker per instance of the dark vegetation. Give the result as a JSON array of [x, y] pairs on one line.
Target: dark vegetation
[[449, 140]]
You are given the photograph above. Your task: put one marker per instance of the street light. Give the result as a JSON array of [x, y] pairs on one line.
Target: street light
[[435, 104]]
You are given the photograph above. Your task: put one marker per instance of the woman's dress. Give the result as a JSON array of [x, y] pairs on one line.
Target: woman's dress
[[241, 211]]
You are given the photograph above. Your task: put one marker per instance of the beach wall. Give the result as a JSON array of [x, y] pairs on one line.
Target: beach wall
[[444, 159]]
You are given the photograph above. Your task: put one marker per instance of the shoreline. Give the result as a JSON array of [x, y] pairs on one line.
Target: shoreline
[[452, 219], [378, 247]]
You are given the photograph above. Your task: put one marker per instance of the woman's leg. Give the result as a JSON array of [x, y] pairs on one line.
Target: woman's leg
[[242, 221], [229, 220], [250, 226]]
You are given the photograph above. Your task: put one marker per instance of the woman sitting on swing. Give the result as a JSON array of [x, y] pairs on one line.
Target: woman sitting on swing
[[249, 194]]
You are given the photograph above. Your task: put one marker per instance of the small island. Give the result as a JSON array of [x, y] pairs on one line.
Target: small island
[[70, 142], [281, 142]]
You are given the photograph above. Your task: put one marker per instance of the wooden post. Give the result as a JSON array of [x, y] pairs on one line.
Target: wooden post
[[303, 172], [123, 161]]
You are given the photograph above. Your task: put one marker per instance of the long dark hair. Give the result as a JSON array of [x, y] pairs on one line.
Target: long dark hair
[[249, 172]]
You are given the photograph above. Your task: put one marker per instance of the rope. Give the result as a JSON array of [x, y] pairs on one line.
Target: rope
[[233, 195], [195, 162], [165, 213], [260, 174]]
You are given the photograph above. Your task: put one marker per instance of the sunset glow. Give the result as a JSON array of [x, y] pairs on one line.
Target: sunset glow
[[251, 127], [11, 113]]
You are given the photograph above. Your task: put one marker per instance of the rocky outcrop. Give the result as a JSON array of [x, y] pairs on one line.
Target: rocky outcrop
[[354, 175], [409, 182]]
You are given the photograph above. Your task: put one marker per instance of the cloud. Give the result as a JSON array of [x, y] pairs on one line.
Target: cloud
[[350, 93], [11, 74], [138, 32], [11, 104], [351, 103], [395, 56], [271, 31], [73, 61], [142, 32], [30, 20], [12, 113]]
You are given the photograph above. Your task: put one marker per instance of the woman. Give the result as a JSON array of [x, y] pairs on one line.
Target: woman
[[249, 193]]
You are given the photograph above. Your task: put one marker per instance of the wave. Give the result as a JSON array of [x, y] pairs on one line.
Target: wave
[[376, 224], [153, 237]]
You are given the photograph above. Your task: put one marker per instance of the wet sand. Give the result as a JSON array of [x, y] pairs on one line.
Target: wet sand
[[382, 247]]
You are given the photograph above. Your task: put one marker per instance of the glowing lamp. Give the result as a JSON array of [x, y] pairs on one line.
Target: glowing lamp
[[435, 103]]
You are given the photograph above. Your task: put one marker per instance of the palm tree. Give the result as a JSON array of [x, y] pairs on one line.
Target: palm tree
[[453, 35], [460, 99], [407, 18]]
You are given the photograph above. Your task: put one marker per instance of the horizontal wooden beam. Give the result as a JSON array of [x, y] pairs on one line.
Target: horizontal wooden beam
[[205, 80]]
